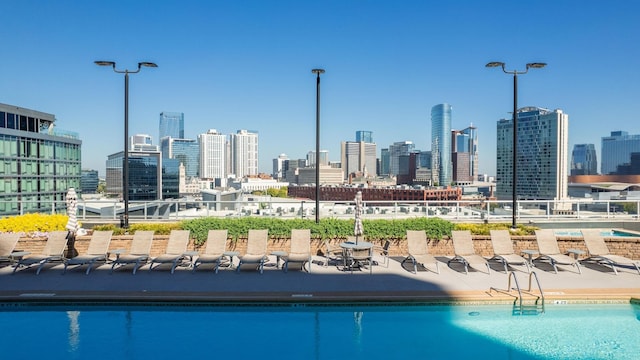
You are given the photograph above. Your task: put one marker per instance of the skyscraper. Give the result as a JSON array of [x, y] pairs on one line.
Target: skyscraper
[[364, 136], [171, 124], [186, 151], [385, 159], [441, 166], [324, 158], [213, 146], [280, 167], [358, 157], [617, 149], [396, 150], [584, 160], [542, 155], [464, 156], [244, 153]]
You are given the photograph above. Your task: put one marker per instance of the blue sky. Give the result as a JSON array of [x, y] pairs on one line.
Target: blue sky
[[233, 65]]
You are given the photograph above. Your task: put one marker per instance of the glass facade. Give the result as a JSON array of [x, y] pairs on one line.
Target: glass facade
[[364, 136], [385, 159], [38, 163], [465, 155], [441, 166], [396, 150], [617, 149], [149, 177], [186, 151], [584, 160], [172, 125], [89, 181], [170, 178]]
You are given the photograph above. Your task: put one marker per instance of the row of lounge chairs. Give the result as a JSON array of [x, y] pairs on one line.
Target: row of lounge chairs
[[300, 251], [548, 251]]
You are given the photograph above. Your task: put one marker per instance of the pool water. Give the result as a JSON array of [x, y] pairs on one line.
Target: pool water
[[347, 331]]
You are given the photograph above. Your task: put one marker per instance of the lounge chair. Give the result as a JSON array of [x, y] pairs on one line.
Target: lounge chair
[[599, 252], [256, 249], [8, 243], [97, 251], [503, 250], [300, 249], [176, 247], [465, 253], [549, 250], [139, 253], [418, 250], [214, 251], [53, 251]]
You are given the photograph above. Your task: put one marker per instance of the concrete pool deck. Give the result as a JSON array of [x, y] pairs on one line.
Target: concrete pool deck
[[393, 283]]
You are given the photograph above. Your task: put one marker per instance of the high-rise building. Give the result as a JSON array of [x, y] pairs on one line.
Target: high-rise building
[[89, 181], [244, 153], [441, 166], [396, 150], [464, 156], [171, 124], [364, 136], [617, 149], [38, 162], [186, 151], [142, 142], [584, 160], [280, 167], [324, 158], [385, 159], [213, 149], [359, 158], [542, 157]]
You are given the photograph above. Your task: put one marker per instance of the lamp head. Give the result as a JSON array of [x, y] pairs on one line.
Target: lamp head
[[147, 64], [537, 65], [495, 64], [318, 71], [105, 63]]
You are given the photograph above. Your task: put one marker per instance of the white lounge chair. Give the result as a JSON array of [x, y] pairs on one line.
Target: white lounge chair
[[256, 249], [97, 251], [139, 253], [8, 243], [419, 251], [503, 250], [549, 250], [465, 253], [214, 251], [53, 251], [599, 252], [176, 247], [300, 251]]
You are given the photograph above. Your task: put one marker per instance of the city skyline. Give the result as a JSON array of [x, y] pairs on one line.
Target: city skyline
[[247, 65]]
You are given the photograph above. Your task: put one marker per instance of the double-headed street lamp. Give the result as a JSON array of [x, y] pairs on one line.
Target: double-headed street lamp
[[515, 74], [318, 72], [125, 162]]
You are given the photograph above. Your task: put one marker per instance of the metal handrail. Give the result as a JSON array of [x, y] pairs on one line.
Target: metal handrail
[[515, 279], [534, 275]]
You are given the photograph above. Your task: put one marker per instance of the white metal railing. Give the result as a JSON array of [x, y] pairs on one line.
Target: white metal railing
[[464, 210]]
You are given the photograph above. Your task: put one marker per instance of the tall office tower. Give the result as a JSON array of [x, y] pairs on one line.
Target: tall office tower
[[171, 124], [38, 162], [244, 153], [213, 147], [617, 149], [464, 156], [142, 142], [324, 158], [385, 159], [364, 136], [441, 166], [186, 151], [542, 157], [584, 160], [424, 159], [89, 181], [396, 150], [150, 178], [280, 167], [358, 158]]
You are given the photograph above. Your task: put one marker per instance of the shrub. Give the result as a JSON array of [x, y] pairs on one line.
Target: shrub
[[33, 224]]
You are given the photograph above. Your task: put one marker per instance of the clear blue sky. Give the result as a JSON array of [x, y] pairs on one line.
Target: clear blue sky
[[233, 65]]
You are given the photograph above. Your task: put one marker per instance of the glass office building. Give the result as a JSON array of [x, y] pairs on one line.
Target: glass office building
[[364, 136], [542, 157], [186, 151], [617, 149], [396, 150], [441, 166], [38, 162], [584, 160], [171, 124], [89, 181]]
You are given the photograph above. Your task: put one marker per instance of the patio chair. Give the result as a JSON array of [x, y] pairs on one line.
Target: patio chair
[[53, 251], [465, 253], [139, 253], [418, 251], [176, 247], [332, 253], [97, 251], [599, 252], [383, 251], [300, 251], [549, 250], [214, 251], [256, 249], [8, 243], [503, 250]]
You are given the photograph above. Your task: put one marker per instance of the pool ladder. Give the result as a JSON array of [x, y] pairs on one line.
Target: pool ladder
[[519, 307]]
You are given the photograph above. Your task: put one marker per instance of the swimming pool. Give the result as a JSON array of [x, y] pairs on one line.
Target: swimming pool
[[339, 331]]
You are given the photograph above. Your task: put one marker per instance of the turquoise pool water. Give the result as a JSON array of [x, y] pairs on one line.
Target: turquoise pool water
[[319, 332]]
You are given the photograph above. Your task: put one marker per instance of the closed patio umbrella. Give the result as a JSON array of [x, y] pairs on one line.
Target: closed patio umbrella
[[358, 230], [72, 223]]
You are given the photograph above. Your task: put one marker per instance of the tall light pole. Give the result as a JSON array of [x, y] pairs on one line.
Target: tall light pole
[[125, 161], [318, 72], [514, 181]]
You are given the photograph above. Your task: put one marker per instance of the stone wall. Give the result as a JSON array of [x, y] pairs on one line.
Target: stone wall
[[624, 246]]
